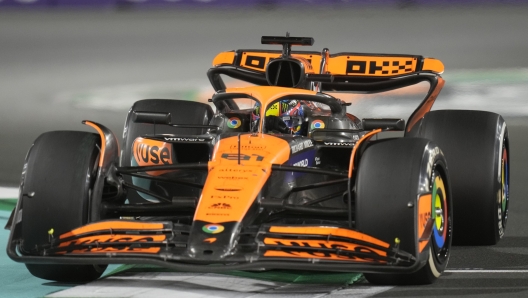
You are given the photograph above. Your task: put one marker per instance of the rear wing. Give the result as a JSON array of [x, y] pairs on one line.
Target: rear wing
[[339, 64], [322, 71]]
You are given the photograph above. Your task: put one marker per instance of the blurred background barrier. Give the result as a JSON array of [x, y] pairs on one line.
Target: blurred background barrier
[[120, 4]]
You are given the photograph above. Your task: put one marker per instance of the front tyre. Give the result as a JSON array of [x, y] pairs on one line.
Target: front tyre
[[401, 184], [439, 247], [67, 273], [60, 171]]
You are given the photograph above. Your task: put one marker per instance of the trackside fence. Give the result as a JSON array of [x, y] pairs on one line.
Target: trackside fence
[[116, 4]]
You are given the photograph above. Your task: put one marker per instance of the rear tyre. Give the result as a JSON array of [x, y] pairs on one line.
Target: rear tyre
[[476, 145], [392, 175], [59, 174]]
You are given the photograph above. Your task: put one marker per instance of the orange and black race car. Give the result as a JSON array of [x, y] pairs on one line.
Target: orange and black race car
[[278, 175]]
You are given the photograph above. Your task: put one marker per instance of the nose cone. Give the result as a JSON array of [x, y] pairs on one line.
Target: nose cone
[[239, 168]]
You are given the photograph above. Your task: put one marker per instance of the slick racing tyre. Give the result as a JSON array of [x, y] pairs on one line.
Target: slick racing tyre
[[476, 146], [393, 177], [57, 182], [67, 273], [182, 112]]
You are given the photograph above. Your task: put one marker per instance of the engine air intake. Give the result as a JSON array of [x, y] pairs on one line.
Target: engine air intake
[[285, 73]]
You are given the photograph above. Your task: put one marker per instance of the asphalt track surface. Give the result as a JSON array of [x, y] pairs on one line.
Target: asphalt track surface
[[47, 57]]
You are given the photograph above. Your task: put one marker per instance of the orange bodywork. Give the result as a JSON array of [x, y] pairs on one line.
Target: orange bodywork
[[366, 137], [232, 187], [343, 64], [340, 232], [434, 65], [103, 140], [115, 239], [371, 65], [311, 255], [426, 107], [424, 214], [224, 58], [259, 60], [149, 152], [297, 243], [112, 232], [110, 226]]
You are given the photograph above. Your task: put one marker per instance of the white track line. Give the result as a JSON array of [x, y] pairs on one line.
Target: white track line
[[485, 271], [209, 285], [8, 192]]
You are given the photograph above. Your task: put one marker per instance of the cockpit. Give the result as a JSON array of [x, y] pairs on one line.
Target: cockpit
[[294, 114]]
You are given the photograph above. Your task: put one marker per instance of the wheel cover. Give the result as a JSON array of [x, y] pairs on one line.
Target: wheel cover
[[441, 220]]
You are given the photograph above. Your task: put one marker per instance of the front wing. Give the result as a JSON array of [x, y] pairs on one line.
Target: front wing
[[164, 244]]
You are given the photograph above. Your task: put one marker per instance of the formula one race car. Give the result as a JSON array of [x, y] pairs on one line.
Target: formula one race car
[[280, 176]]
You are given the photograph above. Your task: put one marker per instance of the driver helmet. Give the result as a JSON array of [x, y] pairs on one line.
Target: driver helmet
[[275, 109], [290, 111], [293, 116]]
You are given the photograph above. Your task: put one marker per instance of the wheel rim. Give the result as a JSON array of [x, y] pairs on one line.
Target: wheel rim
[[504, 191], [441, 219]]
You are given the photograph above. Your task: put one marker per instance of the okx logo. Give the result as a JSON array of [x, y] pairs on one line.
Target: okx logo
[[380, 66]]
